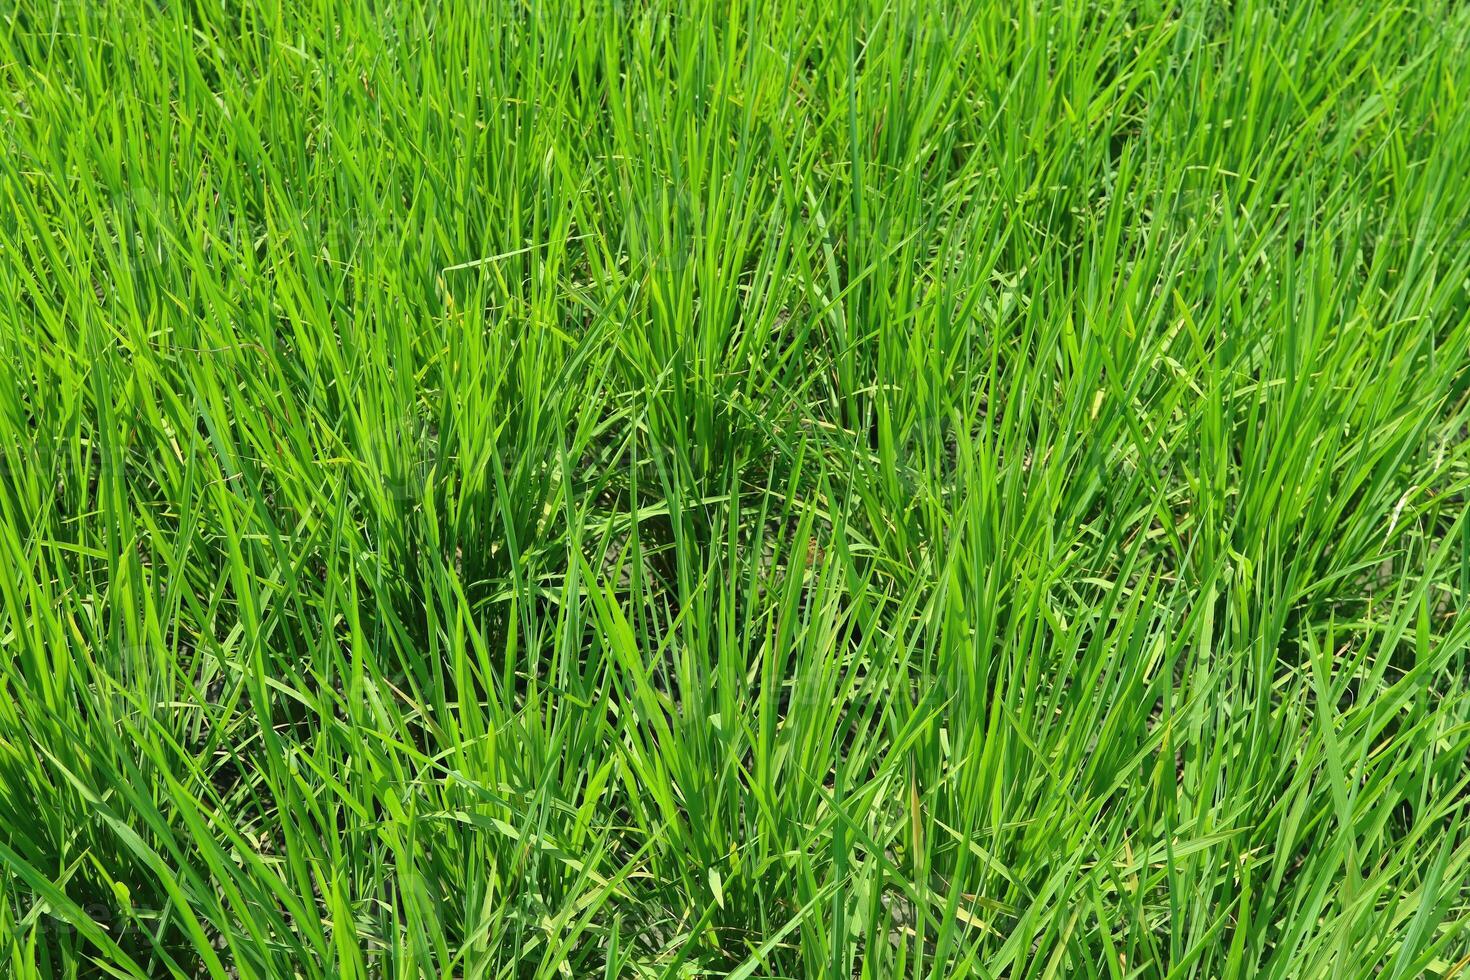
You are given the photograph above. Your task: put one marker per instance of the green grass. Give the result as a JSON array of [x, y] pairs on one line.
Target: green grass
[[591, 489]]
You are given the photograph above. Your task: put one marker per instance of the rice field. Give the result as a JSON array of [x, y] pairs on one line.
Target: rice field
[[858, 489]]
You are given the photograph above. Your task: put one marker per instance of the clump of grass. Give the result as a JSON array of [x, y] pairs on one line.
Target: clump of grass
[[636, 489]]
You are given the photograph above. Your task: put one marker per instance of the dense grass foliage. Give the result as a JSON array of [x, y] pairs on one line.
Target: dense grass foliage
[[879, 489]]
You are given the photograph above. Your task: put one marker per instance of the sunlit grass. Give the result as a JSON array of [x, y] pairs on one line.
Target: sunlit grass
[[881, 488]]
